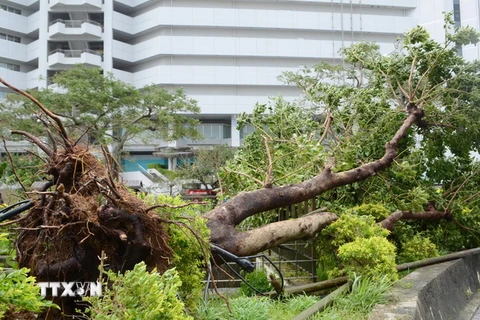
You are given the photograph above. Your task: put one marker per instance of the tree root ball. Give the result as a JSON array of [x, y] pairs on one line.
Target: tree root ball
[[82, 214]]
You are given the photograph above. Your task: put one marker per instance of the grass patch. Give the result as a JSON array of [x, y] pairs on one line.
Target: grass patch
[[358, 304], [258, 308]]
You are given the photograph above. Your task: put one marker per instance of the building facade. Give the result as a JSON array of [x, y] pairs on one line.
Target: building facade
[[226, 54]]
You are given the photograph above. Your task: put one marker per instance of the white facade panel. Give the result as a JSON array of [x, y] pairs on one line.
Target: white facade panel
[[262, 19], [216, 46], [84, 31], [34, 79], [75, 5], [124, 76], [13, 51], [33, 22], [11, 21], [26, 3], [33, 50], [15, 78]]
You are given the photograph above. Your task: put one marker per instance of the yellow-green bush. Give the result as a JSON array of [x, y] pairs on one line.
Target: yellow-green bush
[[417, 248], [377, 211], [349, 227], [371, 257], [355, 244]]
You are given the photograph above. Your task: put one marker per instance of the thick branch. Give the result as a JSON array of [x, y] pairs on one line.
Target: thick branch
[[55, 118], [224, 218], [250, 203], [389, 222], [36, 141], [273, 234]]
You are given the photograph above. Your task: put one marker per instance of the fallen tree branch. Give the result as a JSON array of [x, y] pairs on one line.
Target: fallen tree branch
[[54, 117], [323, 303], [13, 166], [163, 205], [432, 214], [247, 243]]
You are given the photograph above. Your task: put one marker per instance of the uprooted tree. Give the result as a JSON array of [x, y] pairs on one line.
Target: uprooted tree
[[417, 103]]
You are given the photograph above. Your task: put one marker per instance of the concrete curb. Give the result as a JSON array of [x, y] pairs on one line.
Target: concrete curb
[[435, 292]]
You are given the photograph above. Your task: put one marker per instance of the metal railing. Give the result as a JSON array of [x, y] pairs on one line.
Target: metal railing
[[75, 53], [76, 23]]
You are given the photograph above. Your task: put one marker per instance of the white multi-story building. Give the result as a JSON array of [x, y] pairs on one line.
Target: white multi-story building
[[227, 54]]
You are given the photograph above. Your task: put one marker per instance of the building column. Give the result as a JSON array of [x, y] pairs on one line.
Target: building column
[[108, 35], [235, 132], [44, 8]]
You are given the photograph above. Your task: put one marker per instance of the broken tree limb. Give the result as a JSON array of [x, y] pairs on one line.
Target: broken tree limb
[[435, 260], [223, 219], [432, 214], [323, 303], [273, 234]]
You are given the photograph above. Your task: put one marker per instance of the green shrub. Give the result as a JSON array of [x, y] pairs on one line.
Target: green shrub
[[417, 248], [255, 308], [371, 257], [18, 290], [189, 255], [257, 279], [138, 294], [245, 308], [377, 211], [349, 227]]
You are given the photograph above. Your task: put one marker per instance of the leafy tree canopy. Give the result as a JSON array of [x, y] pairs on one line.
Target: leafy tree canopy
[[351, 110], [104, 109]]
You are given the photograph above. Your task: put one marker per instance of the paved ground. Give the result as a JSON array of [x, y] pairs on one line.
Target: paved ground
[[476, 316]]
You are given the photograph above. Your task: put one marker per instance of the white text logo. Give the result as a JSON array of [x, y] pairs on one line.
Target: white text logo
[[70, 289]]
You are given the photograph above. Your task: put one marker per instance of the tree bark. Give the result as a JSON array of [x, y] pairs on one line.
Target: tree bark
[[433, 214]]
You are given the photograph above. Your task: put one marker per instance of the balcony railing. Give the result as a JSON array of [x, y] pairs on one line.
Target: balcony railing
[[76, 23], [76, 53]]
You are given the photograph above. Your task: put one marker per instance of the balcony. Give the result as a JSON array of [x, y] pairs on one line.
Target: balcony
[[76, 5], [59, 59], [87, 30]]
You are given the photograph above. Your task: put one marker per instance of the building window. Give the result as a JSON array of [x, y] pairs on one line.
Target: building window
[[458, 22], [10, 66], [10, 9], [246, 130], [215, 131], [4, 36]]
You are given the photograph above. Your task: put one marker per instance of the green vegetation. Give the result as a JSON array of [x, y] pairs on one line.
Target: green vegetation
[[18, 291], [257, 279], [258, 308], [138, 294], [206, 165], [105, 109], [357, 304], [189, 240]]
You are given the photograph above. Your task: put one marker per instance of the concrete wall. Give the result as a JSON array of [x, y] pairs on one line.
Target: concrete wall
[[441, 291]]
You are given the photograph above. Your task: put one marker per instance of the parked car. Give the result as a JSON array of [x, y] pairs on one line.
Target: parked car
[[197, 189]]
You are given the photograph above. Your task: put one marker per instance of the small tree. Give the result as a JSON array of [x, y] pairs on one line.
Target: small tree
[[206, 164], [104, 109]]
